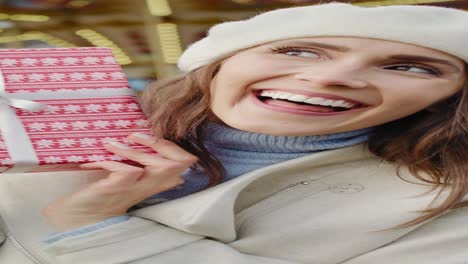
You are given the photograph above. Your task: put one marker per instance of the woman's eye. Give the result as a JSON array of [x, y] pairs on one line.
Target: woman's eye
[[302, 53], [415, 69], [296, 52]]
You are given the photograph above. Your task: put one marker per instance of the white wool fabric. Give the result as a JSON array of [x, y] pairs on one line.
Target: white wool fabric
[[439, 28]]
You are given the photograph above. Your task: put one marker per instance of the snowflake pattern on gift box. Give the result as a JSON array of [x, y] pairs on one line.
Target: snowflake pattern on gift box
[[52, 109], [141, 123], [88, 142], [122, 123], [36, 77], [15, 77], [75, 159], [77, 76], [93, 108], [94, 158], [117, 75], [98, 76], [53, 159], [69, 109], [45, 143], [114, 107], [91, 60], [80, 125], [132, 106], [108, 60], [58, 126], [72, 130], [29, 62], [73, 76], [8, 62], [67, 143], [70, 61], [56, 77], [49, 61], [37, 126], [101, 124]]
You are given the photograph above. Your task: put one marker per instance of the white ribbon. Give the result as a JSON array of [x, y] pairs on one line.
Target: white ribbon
[[17, 141], [7, 99], [27, 105]]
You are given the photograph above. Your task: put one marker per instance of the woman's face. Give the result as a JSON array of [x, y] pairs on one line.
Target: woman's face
[[338, 84]]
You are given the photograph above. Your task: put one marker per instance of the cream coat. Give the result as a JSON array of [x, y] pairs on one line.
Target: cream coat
[[324, 208]]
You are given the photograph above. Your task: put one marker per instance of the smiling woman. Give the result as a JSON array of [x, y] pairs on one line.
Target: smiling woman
[[413, 97], [290, 138], [364, 74]]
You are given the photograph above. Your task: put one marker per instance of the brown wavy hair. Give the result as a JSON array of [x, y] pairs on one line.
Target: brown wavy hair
[[431, 142]]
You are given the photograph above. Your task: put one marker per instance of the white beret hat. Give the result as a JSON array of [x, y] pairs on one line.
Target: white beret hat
[[439, 28]]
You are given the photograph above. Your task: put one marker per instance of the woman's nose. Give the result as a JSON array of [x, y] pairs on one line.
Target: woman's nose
[[332, 77]]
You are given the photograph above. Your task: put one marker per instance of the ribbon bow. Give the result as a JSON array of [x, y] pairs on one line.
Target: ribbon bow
[[21, 103], [17, 102]]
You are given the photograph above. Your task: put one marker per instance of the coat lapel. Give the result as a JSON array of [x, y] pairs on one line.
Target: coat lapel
[[211, 212]]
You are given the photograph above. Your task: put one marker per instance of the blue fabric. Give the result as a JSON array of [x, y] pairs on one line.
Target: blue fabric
[[85, 229], [240, 152]]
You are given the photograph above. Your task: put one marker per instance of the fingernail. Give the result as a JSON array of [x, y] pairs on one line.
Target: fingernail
[[142, 135], [119, 145]]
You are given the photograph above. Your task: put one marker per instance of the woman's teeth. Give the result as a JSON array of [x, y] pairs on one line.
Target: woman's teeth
[[338, 105]]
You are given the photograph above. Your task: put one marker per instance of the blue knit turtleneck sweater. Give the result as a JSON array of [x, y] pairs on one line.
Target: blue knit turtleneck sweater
[[239, 152]]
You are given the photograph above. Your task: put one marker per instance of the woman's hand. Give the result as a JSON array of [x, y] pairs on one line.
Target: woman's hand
[[124, 186]]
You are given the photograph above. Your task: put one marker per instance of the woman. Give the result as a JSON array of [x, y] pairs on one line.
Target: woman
[[290, 139]]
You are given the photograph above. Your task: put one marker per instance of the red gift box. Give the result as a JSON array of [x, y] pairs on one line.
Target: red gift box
[[84, 101]]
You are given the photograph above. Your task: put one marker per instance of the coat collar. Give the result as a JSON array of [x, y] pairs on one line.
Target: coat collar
[[211, 212]]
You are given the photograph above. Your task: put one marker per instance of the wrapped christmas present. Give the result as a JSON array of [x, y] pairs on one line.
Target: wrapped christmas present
[[58, 107]]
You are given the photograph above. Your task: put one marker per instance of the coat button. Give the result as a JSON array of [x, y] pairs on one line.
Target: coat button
[[345, 188]]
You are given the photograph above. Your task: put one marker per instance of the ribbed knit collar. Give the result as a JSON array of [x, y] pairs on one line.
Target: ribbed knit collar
[[225, 137]]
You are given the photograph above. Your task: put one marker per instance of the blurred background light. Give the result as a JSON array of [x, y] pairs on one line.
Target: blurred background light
[[169, 41], [100, 40], [78, 3], [30, 18], [159, 7]]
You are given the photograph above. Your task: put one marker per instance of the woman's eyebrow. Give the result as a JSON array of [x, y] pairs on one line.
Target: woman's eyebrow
[[316, 44], [425, 59]]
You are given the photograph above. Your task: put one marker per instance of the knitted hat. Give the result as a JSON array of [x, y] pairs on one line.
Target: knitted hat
[[440, 28]]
